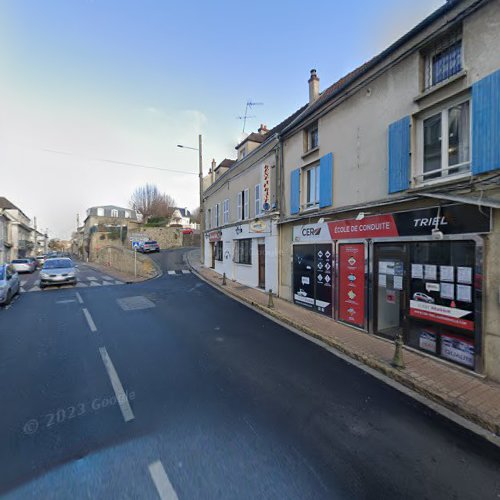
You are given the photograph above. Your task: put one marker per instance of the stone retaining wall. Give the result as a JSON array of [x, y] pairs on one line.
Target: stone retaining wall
[[122, 260]]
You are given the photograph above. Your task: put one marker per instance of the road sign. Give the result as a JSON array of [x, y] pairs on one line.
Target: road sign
[[136, 245]]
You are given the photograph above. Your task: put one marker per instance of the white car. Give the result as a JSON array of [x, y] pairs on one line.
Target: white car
[[423, 297], [9, 283], [23, 265]]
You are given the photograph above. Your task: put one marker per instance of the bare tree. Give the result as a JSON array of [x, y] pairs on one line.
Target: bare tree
[[195, 215], [150, 202]]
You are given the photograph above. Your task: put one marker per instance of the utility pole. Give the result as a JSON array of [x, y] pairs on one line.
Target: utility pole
[[202, 211]]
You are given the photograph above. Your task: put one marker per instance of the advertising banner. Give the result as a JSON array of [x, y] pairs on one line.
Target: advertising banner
[[303, 275], [352, 283], [324, 278], [458, 350]]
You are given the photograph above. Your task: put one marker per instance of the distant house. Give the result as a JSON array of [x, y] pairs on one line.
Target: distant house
[[16, 233], [179, 217], [105, 225]]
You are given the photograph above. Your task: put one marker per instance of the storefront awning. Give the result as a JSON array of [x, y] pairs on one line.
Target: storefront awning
[[478, 201]]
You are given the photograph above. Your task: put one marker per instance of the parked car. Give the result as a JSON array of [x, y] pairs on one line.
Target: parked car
[[41, 260], [58, 271], [188, 230], [33, 261], [149, 246], [23, 265], [9, 283]]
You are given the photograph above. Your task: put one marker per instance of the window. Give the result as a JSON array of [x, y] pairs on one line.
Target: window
[[258, 206], [443, 59], [209, 218], [225, 212], [218, 250], [127, 214], [217, 215], [100, 212], [311, 186], [243, 251], [246, 212], [243, 152], [312, 137], [242, 205], [114, 213], [446, 142]]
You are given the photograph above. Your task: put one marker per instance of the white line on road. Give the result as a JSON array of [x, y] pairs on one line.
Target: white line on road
[[94, 283], [89, 319], [171, 272], [66, 301], [91, 278], [79, 297], [121, 395], [163, 485], [185, 271]]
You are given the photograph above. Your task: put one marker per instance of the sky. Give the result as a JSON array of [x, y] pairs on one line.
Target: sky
[[87, 84]]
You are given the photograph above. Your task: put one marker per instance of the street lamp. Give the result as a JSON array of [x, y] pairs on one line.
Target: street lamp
[[200, 176]]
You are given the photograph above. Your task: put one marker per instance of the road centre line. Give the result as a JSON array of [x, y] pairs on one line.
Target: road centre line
[[163, 485], [89, 319], [120, 394], [79, 297]]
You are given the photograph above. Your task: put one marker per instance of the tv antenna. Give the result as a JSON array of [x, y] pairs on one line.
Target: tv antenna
[[250, 104]]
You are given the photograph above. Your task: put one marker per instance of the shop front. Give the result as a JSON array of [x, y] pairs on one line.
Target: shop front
[[416, 273]]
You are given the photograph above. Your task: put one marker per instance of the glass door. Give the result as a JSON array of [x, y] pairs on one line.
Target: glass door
[[390, 286]]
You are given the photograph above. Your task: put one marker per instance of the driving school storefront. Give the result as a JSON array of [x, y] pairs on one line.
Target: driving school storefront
[[416, 272]]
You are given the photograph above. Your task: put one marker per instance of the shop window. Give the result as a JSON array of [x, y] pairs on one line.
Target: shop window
[[243, 251], [311, 186], [446, 142], [218, 250]]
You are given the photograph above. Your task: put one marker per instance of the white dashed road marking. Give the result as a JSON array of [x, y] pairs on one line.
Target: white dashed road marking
[[120, 394], [94, 283], [89, 319], [66, 301], [171, 272], [79, 297], [185, 271], [163, 485], [91, 278]]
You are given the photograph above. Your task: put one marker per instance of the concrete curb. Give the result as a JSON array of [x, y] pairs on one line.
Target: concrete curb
[[367, 360]]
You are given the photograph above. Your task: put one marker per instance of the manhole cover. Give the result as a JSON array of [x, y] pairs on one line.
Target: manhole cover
[[135, 303]]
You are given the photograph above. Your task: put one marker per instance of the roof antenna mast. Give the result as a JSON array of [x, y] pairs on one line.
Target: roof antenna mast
[[246, 116]]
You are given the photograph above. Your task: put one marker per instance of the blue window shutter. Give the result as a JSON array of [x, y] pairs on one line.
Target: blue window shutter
[[399, 155], [486, 124], [326, 181], [295, 191]]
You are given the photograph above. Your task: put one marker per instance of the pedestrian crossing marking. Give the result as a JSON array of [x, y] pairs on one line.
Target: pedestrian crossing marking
[[171, 272], [186, 271], [91, 278], [80, 284], [94, 283]]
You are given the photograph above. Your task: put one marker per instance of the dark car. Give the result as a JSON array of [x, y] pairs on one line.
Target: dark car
[[149, 246]]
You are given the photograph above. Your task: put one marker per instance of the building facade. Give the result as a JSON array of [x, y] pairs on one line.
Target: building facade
[[390, 213], [17, 231]]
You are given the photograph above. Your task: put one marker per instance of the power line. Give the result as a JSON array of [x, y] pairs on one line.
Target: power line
[[118, 162]]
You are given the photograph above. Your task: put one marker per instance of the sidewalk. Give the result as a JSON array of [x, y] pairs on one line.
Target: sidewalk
[[468, 395]]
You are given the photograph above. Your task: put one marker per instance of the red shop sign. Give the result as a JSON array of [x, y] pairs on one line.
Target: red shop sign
[[352, 283], [375, 226]]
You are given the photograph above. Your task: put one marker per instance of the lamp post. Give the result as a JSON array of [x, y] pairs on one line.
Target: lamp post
[[200, 176]]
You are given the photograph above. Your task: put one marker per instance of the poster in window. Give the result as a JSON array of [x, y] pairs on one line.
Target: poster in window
[[303, 275], [464, 275], [464, 293], [417, 271], [427, 340], [352, 283], [446, 273], [324, 278], [430, 272], [398, 282], [447, 291], [382, 280], [458, 350]]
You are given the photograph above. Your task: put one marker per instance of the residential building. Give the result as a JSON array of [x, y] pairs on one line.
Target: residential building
[[390, 209], [18, 241], [5, 245], [106, 225], [242, 210], [180, 217]]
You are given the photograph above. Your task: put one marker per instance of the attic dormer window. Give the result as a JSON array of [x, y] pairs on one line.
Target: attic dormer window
[[443, 59], [243, 152], [114, 213]]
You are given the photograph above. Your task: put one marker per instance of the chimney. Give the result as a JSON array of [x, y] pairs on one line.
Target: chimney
[[313, 86], [214, 164], [262, 129]]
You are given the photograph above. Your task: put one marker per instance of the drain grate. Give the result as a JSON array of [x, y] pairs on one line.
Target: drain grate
[[135, 303]]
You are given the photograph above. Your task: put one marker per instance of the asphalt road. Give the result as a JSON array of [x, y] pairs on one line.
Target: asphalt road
[[170, 389]]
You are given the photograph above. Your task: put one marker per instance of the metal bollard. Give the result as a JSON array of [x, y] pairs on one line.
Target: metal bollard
[[270, 302], [224, 279], [397, 360]]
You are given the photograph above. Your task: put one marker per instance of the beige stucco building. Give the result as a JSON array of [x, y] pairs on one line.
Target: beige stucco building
[[390, 206]]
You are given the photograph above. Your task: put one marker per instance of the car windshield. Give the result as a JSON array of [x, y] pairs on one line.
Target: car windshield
[[58, 264], [20, 261], [150, 243]]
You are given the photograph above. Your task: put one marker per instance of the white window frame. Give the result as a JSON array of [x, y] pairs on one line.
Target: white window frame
[[217, 215], [309, 137], [258, 197], [127, 214], [419, 177], [239, 205], [246, 204], [225, 212], [100, 212], [305, 188], [114, 212]]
